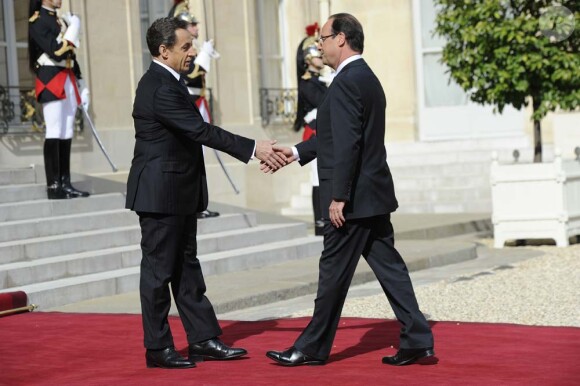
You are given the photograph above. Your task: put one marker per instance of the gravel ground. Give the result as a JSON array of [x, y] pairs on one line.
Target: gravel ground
[[541, 291]]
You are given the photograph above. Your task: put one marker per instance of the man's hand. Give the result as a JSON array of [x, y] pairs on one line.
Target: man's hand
[[84, 93], [284, 151], [265, 153], [335, 211]]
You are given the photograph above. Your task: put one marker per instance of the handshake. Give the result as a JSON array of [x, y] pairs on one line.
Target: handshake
[[273, 157]]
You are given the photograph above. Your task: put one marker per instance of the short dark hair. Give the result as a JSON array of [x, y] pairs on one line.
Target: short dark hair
[[162, 31], [351, 28]]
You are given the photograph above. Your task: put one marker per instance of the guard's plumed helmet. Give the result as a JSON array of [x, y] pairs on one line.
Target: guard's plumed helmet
[[181, 11], [310, 48]]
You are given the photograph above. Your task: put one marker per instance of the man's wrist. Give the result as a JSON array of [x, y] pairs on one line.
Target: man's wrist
[[295, 153]]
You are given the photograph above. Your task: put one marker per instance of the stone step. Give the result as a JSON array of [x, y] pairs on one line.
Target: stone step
[[59, 245], [17, 176], [52, 268], [419, 183], [289, 211], [481, 206], [442, 195], [440, 170], [24, 210], [68, 244], [25, 192], [66, 266], [239, 290], [457, 151], [74, 289], [261, 255], [49, 226]]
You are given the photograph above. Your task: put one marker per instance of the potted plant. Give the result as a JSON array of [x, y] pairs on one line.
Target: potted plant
[[515, 52]]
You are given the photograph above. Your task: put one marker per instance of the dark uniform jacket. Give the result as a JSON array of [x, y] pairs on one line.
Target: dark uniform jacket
[[168, 173], [196, 78], [311, 90], [349, 145], [46, 31]]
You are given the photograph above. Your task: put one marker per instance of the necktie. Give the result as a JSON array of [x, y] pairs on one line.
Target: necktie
[[183, 82]]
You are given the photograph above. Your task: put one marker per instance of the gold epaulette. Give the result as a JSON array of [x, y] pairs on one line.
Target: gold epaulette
[[34, 17], [307, 75], [65, 47], [195, 73]]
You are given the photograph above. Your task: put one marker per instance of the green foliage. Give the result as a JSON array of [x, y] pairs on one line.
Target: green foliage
[[501, 52]]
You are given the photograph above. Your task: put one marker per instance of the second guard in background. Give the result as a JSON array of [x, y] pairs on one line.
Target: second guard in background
[[59, 88], [311, 91], [195, 78]]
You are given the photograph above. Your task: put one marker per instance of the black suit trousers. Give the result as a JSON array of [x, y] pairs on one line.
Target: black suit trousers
[[169, 249], [373, 239]]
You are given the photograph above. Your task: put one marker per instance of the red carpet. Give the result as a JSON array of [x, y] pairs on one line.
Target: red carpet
[[101, 349]]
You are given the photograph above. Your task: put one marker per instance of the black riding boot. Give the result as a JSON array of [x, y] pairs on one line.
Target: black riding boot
[[54, 190], [65, 145], [318, 223]]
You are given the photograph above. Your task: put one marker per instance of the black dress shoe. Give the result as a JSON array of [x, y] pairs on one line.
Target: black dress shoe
[[293, 357], [56, 192], [74, 192], [407, 356], [167, 358], [207, 214], [214, 349]]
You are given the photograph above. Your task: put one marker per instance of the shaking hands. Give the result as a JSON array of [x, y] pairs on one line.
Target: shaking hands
[[272, 157], [278, 152]]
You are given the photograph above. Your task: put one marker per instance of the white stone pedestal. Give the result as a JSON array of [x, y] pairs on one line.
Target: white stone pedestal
[[535, 200]]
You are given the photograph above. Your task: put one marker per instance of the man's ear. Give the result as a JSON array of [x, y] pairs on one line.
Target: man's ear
[[163, 51], [341, 39]]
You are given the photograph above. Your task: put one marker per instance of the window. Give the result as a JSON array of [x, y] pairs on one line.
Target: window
[[15, 77], [150, 10], [273, 69], [444, 109]]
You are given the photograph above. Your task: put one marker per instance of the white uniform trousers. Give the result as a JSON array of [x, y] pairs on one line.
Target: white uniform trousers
[[59, 115]]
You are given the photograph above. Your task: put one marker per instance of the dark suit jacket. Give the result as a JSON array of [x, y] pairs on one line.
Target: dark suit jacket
[[168, 173], [349, 145]]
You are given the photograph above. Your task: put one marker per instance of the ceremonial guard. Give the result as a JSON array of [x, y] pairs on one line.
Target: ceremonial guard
[[59, 88], [195, 78], [311, 31], [311, 91]]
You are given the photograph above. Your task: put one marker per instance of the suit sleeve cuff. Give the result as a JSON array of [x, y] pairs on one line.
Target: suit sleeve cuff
[[295, 153], [253, 151]]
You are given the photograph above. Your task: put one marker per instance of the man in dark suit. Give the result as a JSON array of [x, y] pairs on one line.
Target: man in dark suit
[[357, 197], [167, 187]]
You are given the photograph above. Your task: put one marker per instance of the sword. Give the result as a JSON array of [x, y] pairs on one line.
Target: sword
[[205, 19], [217, 155], [94, 130]]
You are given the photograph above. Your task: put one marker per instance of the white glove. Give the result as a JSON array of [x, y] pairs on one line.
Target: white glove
[[73, 30], [85, 94], [66, 17], [209, 49], [327, 76], [203, 60]]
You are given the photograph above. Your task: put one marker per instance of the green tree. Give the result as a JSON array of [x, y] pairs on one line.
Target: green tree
[[506, 52]]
